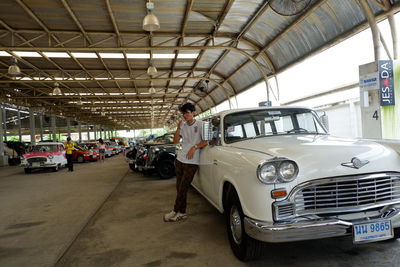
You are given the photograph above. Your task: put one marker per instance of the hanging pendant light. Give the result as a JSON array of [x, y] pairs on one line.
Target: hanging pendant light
[[152, 90], [57, 90], [80, 103], [14, 70], [151, 70], [150, 21]]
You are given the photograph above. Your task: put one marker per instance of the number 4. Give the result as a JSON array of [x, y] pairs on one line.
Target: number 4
[[375, 116]]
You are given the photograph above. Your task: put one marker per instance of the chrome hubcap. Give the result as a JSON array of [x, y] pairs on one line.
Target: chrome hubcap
[[236, 225]]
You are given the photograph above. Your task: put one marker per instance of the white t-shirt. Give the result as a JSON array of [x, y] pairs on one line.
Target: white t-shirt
[[191, 135]]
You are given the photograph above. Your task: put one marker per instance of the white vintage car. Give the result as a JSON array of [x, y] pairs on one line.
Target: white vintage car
[[280, 177], [44, 155]]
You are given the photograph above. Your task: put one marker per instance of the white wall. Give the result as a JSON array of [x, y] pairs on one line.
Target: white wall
[[344, 119]]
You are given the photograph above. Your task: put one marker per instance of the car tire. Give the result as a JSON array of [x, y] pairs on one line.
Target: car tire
[[243, 246], [133, 167], [166, 168], [55, 169], [27, 170], [396, 233], [80, 159]]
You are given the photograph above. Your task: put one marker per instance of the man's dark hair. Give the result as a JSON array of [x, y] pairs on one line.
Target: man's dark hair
[[187, 106]]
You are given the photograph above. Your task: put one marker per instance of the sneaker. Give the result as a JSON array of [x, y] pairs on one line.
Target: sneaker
[[169, 215], [176, 218]]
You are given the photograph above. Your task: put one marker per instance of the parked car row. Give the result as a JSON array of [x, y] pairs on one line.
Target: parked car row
[[51, 155], [156, 156]]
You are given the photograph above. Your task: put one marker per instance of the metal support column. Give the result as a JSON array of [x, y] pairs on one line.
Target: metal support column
[[5, 123], [53, 127], [3, 159], [95, 132], [32, 127], [69, 127], [88, 132], [374, 28], [19, 125], [393, 30], [41, 126], [80, 132]]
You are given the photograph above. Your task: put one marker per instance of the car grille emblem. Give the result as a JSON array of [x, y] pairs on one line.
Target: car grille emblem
[[355, 163]]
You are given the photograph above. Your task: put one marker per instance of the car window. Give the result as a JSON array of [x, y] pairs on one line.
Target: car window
[[45, 148], [308, 122], [249, 129], [267, 122], [284, 124]]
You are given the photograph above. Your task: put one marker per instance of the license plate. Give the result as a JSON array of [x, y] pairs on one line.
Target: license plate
[[35, 164], [374, 231]]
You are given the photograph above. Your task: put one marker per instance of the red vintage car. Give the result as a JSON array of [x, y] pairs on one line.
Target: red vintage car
[[82, 154], [46, 155]]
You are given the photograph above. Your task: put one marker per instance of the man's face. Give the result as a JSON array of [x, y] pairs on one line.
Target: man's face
[[188, 115]]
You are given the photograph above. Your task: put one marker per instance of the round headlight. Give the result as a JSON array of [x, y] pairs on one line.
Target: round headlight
[[50, 156], [267, 173], [287, 171]]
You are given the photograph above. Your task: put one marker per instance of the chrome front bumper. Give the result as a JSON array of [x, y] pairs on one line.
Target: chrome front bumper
[[145, 168], [44, 165], [311, 229]]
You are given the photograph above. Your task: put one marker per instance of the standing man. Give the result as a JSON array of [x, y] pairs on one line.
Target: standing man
[[69, 147], [188, 159]]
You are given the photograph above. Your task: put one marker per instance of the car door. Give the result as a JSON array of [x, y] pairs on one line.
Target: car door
[[207, 182]]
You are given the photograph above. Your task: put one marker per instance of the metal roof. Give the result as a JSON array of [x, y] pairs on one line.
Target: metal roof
[[234, 44]]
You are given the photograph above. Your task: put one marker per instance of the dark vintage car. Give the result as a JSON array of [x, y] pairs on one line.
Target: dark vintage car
[[156, 156]]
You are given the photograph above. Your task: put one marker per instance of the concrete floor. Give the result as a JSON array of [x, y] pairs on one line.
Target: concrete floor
[[106, 215]]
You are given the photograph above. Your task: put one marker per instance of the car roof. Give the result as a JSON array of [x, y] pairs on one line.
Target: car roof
[[226, 112]]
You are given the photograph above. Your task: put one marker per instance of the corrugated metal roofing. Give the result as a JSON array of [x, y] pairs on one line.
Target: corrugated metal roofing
[[232, 43]]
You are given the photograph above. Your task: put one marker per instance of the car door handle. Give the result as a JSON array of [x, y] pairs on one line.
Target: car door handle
[[215, 162]]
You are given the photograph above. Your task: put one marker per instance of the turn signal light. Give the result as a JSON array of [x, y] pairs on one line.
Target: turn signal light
[[278, 193]]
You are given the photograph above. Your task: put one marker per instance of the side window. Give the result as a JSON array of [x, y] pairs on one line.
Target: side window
[[249, 128], [284, 124], [216, 132], [235, 130]]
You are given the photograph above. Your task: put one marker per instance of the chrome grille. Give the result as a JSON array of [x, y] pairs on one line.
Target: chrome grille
[[285, 210], [31, 160], [344, 194]]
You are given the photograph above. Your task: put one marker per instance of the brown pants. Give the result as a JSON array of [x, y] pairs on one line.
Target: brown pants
[[184, 176]]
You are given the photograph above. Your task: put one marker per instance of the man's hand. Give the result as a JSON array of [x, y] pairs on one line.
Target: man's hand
[[177, 135], [190, 153]]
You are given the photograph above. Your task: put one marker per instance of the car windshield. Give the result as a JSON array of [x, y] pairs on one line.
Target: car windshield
[[260, 123], [45, 148]]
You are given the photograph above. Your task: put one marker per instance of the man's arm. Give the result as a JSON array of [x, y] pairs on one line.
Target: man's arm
[[177, 135], [201, 144]]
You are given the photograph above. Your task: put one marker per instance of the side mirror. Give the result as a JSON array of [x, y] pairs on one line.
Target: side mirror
[[207, 131], [324, 120]]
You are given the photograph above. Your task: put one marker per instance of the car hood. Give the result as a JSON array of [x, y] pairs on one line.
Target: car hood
[[40, 154], [321, 156]]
